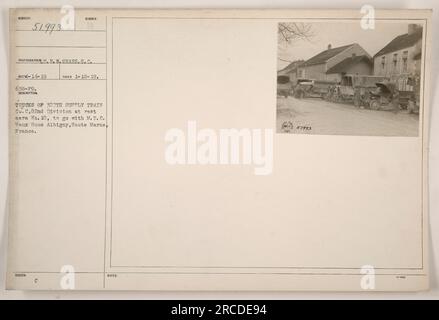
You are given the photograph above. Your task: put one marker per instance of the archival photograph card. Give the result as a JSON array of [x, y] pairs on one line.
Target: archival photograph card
[[264, 150]]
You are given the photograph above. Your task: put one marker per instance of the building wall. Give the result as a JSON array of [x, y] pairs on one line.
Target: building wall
[[293, 76], [417, 66], [389, 68], [301, 72], [336, 77], [318, 72], [399, 73], [362, 68]]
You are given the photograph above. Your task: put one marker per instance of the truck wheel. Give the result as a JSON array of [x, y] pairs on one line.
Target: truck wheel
[[375, 105]]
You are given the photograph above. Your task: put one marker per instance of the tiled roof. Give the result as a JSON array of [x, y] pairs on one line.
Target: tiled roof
[[401, 42], [324, 56], [344, 65]]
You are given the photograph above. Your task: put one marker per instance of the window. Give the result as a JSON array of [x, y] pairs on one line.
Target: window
[[395, 61], [405, 55], [383, 62]]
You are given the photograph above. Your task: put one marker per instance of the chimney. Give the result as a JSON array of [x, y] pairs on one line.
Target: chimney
[[329, 46], [412, 28]]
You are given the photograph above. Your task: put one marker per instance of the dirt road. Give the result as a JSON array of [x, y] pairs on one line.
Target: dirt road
[[317, 116]]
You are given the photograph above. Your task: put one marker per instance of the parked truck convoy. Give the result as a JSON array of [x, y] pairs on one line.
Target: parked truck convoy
[[366, 91]]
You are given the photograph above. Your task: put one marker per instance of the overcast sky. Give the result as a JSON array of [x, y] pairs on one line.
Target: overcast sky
[[340, 34]]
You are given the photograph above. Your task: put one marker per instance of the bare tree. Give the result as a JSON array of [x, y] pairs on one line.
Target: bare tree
[[289, 32]]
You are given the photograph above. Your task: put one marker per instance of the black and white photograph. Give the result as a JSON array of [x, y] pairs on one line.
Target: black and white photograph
[[340, 78]]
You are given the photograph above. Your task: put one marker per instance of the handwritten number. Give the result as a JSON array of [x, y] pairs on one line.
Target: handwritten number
[[46, 27]]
